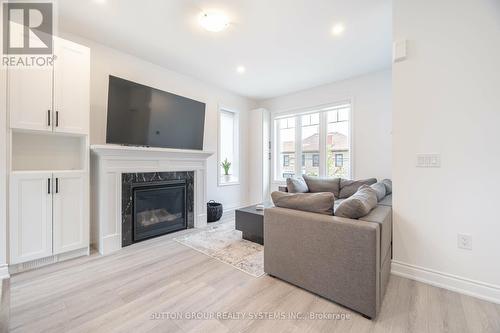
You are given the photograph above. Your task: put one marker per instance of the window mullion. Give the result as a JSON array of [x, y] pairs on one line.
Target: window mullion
[[323, 131], [277, 156], [298, 146]]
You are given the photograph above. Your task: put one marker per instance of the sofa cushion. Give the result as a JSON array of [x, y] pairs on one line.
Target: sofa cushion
[[388, 186], [349, 187], [321, 203], [317, 184], [387, 201], [379, 189], [296, 185], [359, 204], [383, 216], [337, 203]]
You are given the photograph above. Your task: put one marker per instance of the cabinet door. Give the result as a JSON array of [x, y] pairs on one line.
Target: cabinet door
[[71, 227], [29, 92], [71, 87], [30, 217]]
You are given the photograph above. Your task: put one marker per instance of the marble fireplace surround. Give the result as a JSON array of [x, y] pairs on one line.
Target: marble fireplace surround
[[109, 162]]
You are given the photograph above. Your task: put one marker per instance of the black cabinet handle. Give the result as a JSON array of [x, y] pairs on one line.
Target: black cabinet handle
[[57, 185], [57, 118], [48, 117], [48, 185]]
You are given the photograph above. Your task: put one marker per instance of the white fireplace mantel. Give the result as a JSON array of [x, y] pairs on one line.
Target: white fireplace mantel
[[109, 162]]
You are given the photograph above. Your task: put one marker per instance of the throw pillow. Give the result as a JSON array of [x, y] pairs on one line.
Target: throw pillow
[[317, 184], [296, 185], [321, 203], [379, 189], [388, 186], [359, 204], [349, 187]]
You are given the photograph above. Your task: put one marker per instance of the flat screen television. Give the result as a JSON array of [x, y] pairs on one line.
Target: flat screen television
[[139, 115]]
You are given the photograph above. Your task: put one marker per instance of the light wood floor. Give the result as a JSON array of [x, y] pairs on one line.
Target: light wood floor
[[121, 292]]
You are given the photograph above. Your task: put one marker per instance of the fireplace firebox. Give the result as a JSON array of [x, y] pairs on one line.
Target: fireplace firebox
[[155, 204], [158, 209]]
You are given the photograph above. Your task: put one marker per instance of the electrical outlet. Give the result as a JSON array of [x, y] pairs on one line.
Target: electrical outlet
[[464, 241]]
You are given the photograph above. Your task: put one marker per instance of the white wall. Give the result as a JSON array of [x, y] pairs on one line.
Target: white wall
[[446, 100], [3, 168], [372, 117], [3, 174], [106, 61]]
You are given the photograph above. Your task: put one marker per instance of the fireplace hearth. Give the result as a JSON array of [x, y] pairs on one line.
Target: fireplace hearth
[[156, 204]]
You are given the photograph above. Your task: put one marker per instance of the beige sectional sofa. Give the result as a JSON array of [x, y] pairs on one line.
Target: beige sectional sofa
[[344, 260]]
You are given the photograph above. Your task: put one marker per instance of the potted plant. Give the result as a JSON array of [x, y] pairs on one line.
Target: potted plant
[[226, 165]]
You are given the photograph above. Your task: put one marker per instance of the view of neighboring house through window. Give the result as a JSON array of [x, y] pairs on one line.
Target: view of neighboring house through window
[[285, 132], [310, 144], [314, 143], [228, 147], [337, 143]]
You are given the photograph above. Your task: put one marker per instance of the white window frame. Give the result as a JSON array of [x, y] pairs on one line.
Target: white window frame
[[236, 146], [297, 113]]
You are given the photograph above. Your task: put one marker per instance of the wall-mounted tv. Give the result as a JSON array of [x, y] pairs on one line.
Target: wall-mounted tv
[[143, 116]]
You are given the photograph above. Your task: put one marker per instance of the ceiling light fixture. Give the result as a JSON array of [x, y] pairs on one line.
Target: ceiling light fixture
[[338, 29], [241, 69], [213, 21]]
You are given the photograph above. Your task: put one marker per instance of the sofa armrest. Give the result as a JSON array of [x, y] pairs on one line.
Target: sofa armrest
[[334, 257]]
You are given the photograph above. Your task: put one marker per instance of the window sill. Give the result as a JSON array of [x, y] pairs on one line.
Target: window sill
[[221, 184], [228, 180]]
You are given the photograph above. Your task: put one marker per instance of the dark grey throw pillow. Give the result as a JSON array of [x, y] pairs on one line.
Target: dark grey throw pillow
[[388, 186], [349, 187], [317, 184], [296, 185], [321, 203], [359, 204], [379, 189]]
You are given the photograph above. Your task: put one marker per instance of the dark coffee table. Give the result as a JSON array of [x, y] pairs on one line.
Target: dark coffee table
[[250, 222]]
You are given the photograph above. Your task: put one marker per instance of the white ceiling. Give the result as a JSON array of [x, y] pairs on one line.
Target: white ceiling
[[285, 45]]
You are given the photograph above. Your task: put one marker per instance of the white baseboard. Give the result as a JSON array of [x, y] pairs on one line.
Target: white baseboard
[[232, 208], [478, 289], [4, 271]]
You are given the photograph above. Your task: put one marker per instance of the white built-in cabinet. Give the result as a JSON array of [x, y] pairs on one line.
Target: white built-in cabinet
[[53, 99], [30, 108], [49, 158], [69, 215], [30, 208]]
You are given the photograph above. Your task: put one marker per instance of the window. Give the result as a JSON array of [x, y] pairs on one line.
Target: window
[[337, 143], [286, 160], [228, 147], [310, 143], [315, 143], [316, 160], [285, 138], [339, 160]]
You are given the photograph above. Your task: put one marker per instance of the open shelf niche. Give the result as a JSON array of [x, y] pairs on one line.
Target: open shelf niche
[[48, 152]]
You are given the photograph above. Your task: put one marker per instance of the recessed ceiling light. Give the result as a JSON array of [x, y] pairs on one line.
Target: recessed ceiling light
[[241, 69], [214, 21], [100, 1], [338, 29]]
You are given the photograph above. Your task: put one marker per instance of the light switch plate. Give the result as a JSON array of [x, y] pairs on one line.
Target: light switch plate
[[464, 241], [428, 160], [399, 51]]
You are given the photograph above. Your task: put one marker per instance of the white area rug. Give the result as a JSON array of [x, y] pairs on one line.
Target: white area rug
[[221, 241]]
